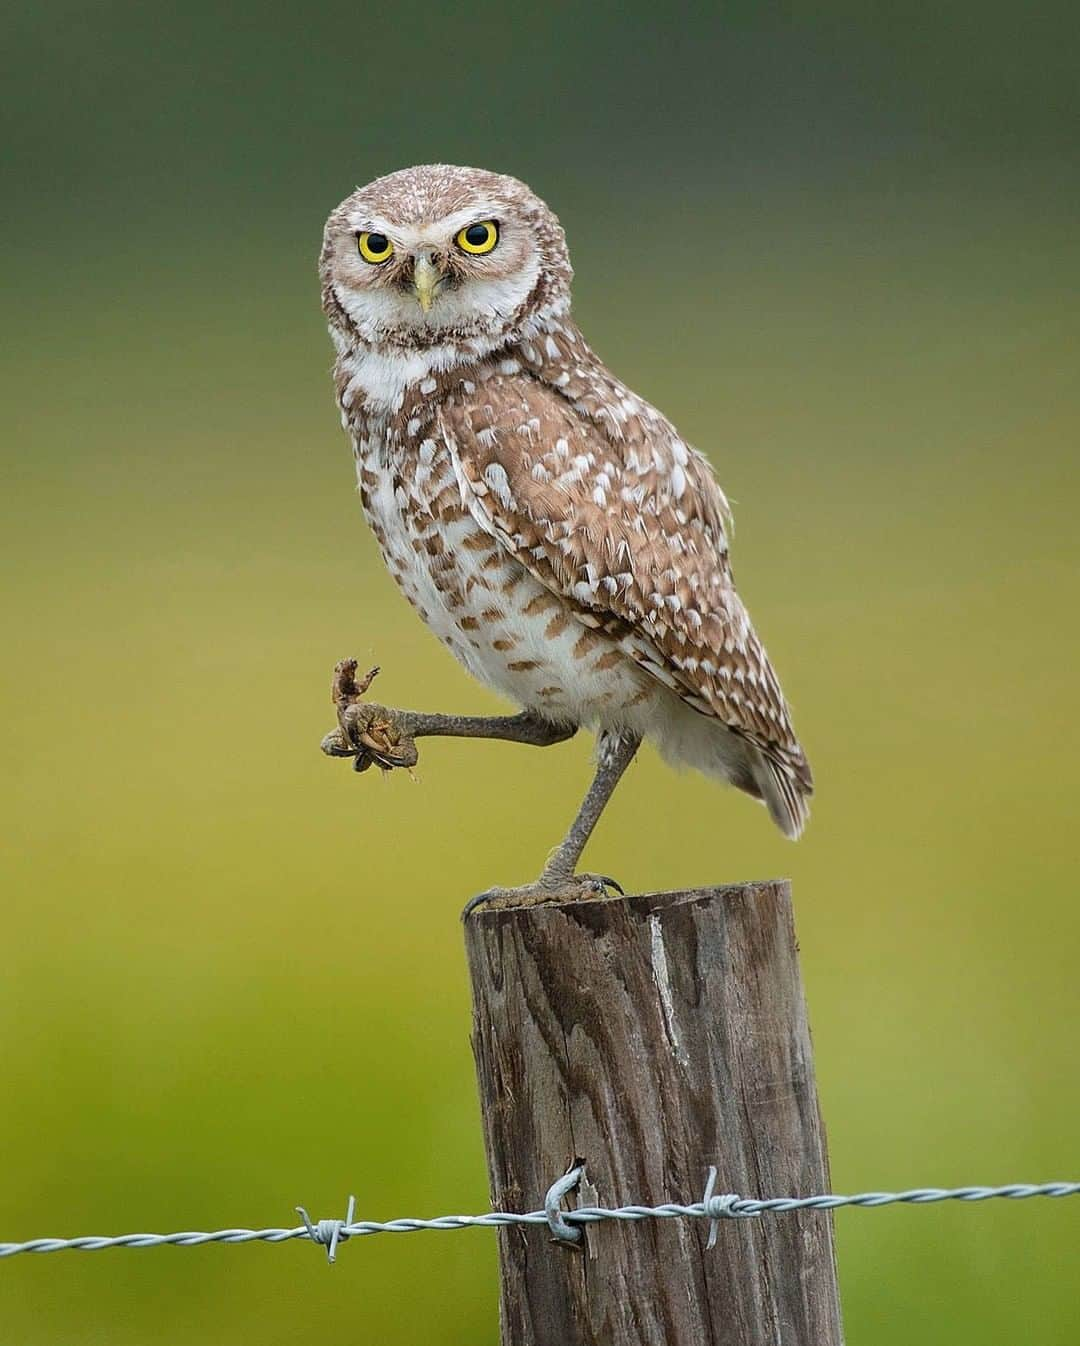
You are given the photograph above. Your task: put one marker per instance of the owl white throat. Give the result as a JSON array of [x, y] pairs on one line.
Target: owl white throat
[[550, 526]]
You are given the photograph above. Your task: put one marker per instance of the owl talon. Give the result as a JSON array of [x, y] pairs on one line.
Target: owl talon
[[336, 744], [545, 892]]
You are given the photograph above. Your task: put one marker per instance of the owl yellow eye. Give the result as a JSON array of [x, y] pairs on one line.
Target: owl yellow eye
[[478, 238], [375, 248]]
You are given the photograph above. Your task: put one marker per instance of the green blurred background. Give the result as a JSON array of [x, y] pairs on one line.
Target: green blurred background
[[837, 244]]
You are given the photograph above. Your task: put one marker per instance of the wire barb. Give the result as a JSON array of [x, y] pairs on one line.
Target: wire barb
[[720, 1207], [561, 1231], [329, 1232]]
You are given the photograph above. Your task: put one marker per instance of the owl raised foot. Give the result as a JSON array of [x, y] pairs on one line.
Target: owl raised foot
[[368, 733]]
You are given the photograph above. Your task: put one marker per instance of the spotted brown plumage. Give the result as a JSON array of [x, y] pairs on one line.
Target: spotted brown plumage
[[548, 524], [625, 524]]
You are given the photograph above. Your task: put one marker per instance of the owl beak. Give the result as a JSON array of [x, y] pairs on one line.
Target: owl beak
[[426, 280]]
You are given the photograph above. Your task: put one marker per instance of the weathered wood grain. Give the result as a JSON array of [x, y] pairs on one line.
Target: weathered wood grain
[[650, 1037]]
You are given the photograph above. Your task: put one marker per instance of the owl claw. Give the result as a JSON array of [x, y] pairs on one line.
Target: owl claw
[[544, 892], [336, 744]]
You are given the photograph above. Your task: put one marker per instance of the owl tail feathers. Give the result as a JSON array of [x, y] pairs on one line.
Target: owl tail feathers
[[785, 789]]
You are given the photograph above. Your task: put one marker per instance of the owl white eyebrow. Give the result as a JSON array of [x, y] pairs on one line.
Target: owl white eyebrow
[[374, 226], [460, 219], [409, 235]]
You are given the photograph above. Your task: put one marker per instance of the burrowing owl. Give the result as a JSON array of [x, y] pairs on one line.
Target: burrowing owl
[[549, 525]]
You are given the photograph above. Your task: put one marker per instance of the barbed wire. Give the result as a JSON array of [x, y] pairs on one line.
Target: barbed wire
[[565, 1225]]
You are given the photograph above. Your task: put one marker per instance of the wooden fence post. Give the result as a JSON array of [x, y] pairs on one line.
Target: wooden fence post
[[650, 1037]]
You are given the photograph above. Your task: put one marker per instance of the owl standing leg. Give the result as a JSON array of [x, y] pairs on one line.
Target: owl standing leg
[[558, 881]]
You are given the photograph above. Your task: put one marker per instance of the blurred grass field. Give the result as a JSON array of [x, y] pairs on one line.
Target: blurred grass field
[[232, 971]]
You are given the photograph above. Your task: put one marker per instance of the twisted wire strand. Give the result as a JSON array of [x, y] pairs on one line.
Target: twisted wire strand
[[713, 1208]]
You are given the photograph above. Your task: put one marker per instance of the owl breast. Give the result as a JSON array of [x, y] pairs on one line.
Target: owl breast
[[508, 630]]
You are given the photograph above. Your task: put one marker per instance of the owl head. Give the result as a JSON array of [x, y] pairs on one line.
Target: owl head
[[437, 254]]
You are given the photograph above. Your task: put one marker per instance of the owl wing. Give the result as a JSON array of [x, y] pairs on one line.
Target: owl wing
[[609, 509]]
